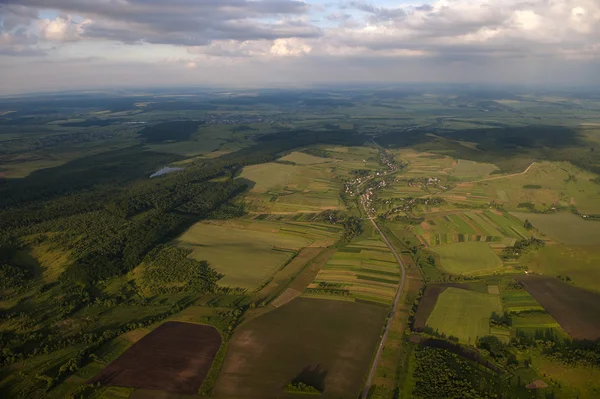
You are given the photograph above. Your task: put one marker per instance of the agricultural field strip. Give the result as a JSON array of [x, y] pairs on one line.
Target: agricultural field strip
[[359, 272], [469, 226]]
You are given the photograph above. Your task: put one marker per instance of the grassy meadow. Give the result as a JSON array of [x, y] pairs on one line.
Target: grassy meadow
[[468, 258], [564, 227], [579, 263], [544, 185], [284, 188]]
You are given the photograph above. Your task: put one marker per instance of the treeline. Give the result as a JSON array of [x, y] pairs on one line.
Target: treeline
[[168, 269], [12, 275], [352, 225], [170, 131], [522, 246], [442, 374]]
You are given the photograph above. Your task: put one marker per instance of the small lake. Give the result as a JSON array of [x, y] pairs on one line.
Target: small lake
[[164, 171]]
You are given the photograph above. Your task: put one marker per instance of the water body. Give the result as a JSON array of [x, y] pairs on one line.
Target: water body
[[164, 171]]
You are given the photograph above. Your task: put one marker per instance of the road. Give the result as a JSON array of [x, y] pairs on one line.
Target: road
[[391, 317]]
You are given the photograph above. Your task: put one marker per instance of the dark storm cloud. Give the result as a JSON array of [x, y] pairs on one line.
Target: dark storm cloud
[[184, 22], [15, 39]]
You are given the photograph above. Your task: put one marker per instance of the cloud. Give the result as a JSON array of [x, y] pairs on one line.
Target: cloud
[[184, 22], [474, 28], [262, 39], [62, 29]]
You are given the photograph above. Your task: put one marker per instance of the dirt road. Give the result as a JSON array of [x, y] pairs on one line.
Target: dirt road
[[386, 331]]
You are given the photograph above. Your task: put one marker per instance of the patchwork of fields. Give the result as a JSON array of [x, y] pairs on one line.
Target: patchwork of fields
[[364, 270], [544, 185], [487, 226], [575, 309]]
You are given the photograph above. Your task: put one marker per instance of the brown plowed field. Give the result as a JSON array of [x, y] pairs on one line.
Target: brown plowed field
[[175, 358], [325, 343], [575, 309]]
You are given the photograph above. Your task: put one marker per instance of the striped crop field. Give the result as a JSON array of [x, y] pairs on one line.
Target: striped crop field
[[364, 271], [495, 228], [517, 301]]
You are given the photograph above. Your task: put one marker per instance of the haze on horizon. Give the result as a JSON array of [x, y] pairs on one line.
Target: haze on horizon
[[80, 44]]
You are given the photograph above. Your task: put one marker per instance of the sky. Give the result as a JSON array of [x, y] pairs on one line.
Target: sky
[[48, 45]]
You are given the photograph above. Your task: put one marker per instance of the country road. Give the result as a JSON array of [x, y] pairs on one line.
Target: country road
[[369, 382]]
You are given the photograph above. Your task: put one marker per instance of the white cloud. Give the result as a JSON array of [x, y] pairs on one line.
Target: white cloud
[[290, 48], [269, 36], [62, 29]]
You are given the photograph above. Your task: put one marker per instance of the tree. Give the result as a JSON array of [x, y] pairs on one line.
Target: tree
[[528, 225]]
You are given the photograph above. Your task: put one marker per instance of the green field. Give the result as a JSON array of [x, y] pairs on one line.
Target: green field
[[468, 258], [579, 263], [470, 170], [291, 188], [301, 158], [450, 227], [516, 301], [365, 269], [565, 227], [561, 184], [329, 343], [536, 320], [464, 314], [248, 252]]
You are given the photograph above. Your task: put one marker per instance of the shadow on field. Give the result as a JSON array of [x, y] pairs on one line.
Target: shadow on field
[[313, 376]]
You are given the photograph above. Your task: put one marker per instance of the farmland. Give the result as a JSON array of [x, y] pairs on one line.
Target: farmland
[[429, 300], [578, 263], [365, 270], [575, 309], [95, 257], [160, 362], [468, 258], [464, 314], [484, 226], [291, 188], [560, 184], [249, 251], [327, 344], [565, 228]]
